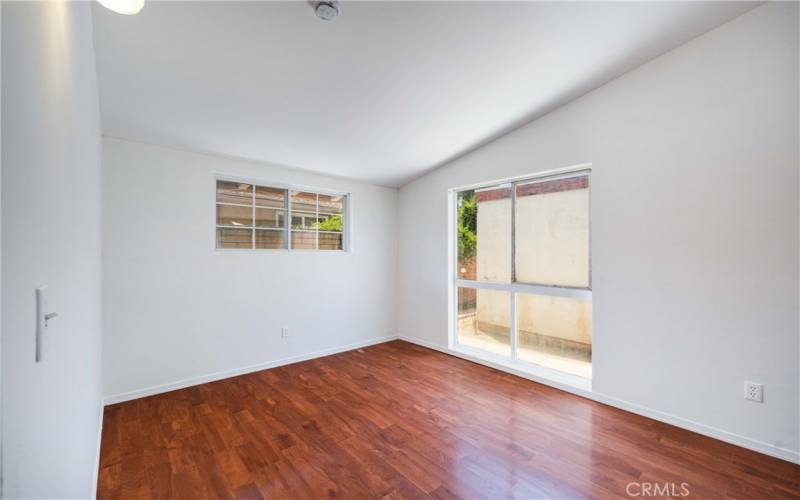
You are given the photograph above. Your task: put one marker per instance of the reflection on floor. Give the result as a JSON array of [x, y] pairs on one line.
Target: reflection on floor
[[497, 340]]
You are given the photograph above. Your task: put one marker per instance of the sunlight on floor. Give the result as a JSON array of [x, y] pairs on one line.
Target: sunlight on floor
[[498, 342]]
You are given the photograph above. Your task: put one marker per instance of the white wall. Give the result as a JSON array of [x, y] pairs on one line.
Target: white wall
[[694, 229], [177, 311], [51, 225]]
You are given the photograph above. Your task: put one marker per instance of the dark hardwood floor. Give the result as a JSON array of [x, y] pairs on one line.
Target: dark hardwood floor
[[399, 421]]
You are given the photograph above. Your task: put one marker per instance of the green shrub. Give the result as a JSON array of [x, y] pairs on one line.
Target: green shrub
[[333, 223], [467, 225]]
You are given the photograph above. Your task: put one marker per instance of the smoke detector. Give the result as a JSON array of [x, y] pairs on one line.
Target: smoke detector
[[327, 10]]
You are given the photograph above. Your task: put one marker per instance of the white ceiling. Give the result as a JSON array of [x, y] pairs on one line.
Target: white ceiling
[[384, 93]]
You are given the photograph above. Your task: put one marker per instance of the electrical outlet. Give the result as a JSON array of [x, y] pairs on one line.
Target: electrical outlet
[[284, 332], [754, 392]]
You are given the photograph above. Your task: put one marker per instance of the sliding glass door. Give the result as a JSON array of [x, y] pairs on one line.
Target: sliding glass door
[[522, 281]]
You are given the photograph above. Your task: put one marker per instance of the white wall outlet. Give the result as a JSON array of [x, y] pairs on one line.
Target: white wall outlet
[[284, 332], [754, 392]]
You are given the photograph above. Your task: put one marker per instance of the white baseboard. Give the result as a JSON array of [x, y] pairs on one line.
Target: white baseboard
[[706, 430], [96, 473], [211, 377]]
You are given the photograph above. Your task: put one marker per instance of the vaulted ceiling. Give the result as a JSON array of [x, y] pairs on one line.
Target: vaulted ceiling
[[384, 93]]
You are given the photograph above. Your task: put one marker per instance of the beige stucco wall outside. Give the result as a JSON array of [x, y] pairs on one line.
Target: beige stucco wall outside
[[493, 260], [554, 228]]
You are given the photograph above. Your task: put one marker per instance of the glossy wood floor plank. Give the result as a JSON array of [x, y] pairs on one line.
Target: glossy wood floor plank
[[399, 421]]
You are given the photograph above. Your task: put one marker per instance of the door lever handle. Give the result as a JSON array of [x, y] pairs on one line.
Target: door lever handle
[[41, 319]]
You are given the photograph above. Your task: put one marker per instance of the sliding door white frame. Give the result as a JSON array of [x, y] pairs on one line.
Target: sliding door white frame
[[513, 287]]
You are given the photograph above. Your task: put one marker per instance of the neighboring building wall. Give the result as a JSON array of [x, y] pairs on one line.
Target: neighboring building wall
[[553, 227], [557, 317], [552, 238], [493, 259]]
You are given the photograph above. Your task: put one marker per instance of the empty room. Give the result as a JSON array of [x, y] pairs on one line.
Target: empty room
[[399, 249]]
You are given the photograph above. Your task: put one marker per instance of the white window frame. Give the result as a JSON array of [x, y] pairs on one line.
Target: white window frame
[[513, 287], [347, 204]]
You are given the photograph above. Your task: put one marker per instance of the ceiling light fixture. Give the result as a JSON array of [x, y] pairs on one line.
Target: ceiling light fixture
[[327, 10], [127, 7]]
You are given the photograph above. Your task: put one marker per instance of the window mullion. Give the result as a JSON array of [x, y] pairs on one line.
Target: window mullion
[[513, 295], [550, 291], [288, 219], [253, 220], [513, 325], [513, 233]]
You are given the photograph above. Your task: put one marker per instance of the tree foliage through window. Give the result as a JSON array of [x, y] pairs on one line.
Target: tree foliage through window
[[332, 223], [467, 226]]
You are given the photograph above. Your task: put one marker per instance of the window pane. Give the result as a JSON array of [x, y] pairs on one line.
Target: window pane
[[304, 240], [304, 220], [270, 239], [304, 202], [552, 232], [331, 204], [234, 192], [231, 215], [269, 217], [330, 241], [484, 234], [270, 197], [304, 216], [555, 332], [234, 238], [484, 320]]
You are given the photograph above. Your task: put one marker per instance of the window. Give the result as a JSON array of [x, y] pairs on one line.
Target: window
[[251, 216], [523, 272]]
